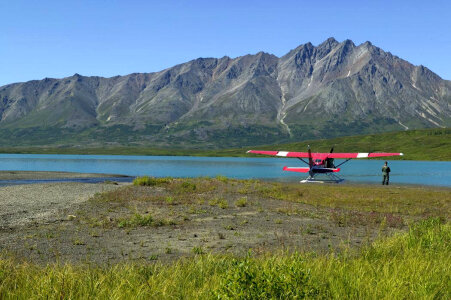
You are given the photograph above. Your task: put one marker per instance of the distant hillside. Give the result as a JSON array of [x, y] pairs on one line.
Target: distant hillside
[[426, 144], [333, 89]]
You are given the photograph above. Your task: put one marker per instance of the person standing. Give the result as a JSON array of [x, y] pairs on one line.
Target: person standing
[[385, 174]]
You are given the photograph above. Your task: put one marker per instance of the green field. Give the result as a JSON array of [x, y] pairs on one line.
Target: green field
[[427, 144], [412, 265]]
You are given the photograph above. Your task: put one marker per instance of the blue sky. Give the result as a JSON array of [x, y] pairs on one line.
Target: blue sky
[[59, 38]]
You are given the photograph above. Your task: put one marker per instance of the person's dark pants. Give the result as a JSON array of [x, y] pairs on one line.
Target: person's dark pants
[[385, 179]]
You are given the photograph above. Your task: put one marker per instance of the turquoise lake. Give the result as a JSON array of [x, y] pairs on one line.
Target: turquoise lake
[[267, 168]]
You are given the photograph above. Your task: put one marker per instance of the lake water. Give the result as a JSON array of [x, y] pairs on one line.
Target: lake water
[[268, 168]]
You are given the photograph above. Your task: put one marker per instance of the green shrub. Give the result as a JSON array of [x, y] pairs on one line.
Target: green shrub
[[242, 202], [136, 220], [222, 178], [188, 186], [223, 204], [169, 200], [213, 202], [150, 181], [273, 278], [220, 202]]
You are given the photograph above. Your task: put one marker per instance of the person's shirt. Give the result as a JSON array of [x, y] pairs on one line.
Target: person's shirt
[[385, 170]]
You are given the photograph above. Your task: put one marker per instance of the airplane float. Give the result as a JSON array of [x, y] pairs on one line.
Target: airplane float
[[320, 163]]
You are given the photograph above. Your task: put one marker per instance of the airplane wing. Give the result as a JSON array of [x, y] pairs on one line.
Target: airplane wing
[[323, 155], [361, 155], [281, 153]]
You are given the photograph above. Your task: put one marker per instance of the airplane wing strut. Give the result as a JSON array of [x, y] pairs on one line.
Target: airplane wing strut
[[343, 162]]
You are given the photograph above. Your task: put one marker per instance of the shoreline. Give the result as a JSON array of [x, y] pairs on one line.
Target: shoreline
[[27, 204], [48, 175], [10, 178]]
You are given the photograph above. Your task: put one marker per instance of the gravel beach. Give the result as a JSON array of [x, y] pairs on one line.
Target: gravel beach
[[39, 175], [31, 203]]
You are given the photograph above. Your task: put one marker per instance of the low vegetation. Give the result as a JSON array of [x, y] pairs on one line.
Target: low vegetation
[[150, 181], [425, 144], [136, 220], [411, 265], [242, 202], [353, 200], [221, 238]]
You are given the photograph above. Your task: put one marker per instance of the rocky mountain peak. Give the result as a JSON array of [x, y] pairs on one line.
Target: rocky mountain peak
[[334, 88], [329, 43]]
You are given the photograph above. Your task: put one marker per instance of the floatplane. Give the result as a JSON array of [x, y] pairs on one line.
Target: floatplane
[[321, 163]]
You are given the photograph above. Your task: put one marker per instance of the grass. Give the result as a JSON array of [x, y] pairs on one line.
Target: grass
[[351, 218], [242, 202], [425, 144], [136, 220], [150, 181], [413, 263], [198, 250], [411, 201], [220, 202], [410, 265], [346, 204]]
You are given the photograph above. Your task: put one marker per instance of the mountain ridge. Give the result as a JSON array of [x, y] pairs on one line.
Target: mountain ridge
[[312, 91]]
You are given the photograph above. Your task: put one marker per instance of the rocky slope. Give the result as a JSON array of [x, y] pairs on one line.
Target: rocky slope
[[329, 90]]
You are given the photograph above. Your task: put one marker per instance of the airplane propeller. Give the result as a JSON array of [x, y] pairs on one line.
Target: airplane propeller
[[310, 160], [330, 161]]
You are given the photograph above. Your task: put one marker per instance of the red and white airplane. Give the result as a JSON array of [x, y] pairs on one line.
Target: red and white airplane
[[320, 163]]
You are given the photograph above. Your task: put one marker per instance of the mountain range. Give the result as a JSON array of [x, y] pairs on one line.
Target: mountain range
[[332, 89]]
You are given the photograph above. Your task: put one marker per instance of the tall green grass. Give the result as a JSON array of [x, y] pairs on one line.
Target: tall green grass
[[410, 265]]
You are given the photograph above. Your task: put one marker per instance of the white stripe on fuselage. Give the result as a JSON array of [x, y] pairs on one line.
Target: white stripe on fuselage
[[362, 155], [282, 153]]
